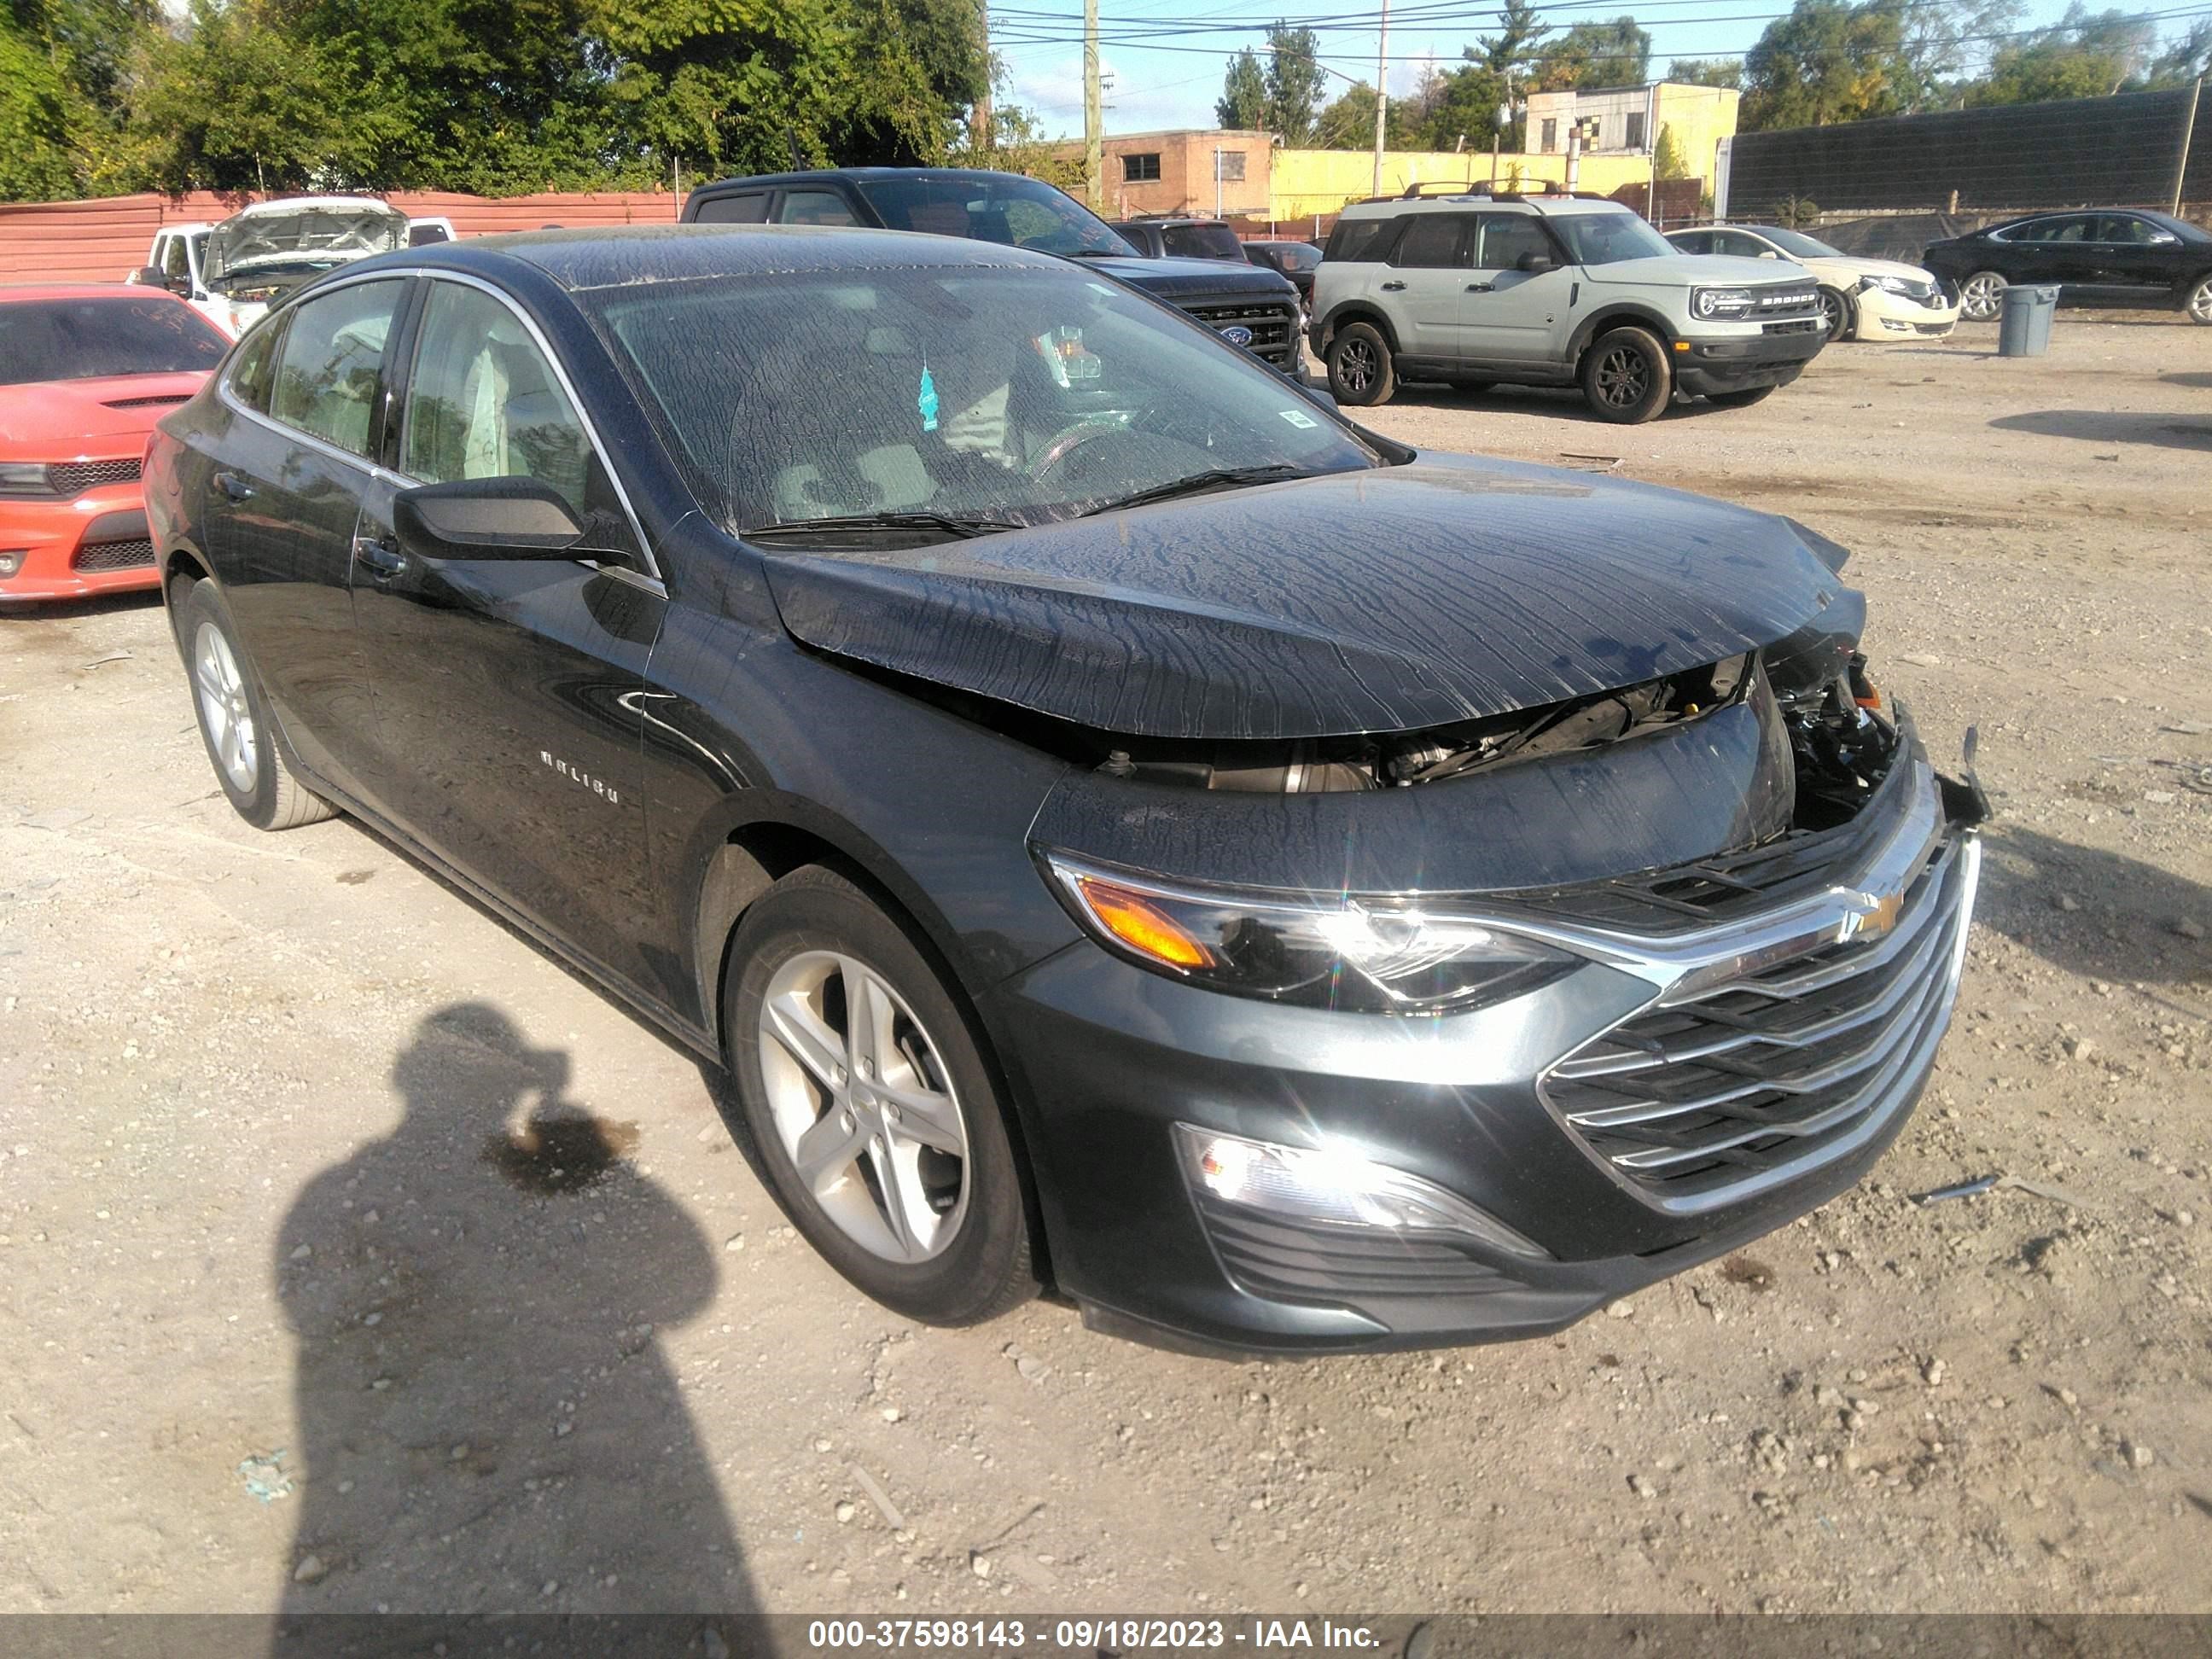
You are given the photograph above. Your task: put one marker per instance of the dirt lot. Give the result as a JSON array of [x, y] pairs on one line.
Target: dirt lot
[[293, 1314]]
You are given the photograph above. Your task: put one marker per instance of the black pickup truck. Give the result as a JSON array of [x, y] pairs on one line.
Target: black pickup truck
[[1246, 304]]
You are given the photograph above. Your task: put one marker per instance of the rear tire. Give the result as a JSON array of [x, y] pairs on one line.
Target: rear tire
[[1360, 370], [1626, 376], [233, 719], [1839, 316], [946, 1238], [1981, 296], [1740, 399]]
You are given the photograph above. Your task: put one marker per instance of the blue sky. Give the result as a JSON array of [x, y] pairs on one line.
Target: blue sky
[[1174, 82]]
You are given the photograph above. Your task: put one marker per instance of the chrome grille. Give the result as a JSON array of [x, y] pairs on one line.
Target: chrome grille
[[114, 555], [1765, 1070], [74, 477], [1273, 325], [1773, 302]]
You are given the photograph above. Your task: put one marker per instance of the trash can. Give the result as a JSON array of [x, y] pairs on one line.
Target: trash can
[[2024, 324]]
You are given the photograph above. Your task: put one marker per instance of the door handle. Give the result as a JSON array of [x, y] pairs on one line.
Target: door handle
[[1482, 288], [233, 486], [1392, 288], [381, 556]]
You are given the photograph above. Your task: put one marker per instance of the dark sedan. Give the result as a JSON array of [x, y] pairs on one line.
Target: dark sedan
[[1296, 260], [1119, 824], [2114, 256]]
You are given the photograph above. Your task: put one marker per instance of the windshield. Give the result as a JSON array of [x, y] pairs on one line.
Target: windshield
[[84, 339], [1296, 256], [1798, 243], [1605, 239], [1003, 208], [1006, 394], [1201, 242]]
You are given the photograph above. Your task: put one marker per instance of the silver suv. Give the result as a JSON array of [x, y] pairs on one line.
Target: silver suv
[[1473, 289]]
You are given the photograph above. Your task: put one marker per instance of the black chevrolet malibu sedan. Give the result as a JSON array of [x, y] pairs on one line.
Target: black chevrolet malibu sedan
[[1121, 826]]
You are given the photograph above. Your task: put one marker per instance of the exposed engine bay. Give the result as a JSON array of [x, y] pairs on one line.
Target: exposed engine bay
[[1841, 746]]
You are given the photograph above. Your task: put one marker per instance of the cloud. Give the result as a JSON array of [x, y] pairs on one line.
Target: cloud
[[1138, 96]]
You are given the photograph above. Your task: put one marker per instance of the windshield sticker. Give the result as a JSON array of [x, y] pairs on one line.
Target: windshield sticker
[[1299, 418], [925, 400]]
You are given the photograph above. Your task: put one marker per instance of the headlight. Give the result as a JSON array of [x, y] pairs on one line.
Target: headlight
[[1375, 953], [1720, 301], [25, 478], [1887, 285]]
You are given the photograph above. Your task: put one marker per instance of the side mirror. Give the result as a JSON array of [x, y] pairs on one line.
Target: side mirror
[[509, 518], [151, 277], [1535, 263], [1768, 253]]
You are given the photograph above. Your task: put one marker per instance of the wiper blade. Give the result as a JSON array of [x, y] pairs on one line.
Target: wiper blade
[[950, 524], [1216, 478]]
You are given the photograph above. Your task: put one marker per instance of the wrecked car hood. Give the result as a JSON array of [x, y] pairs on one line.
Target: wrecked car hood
[[1372, 601], [296, 236]]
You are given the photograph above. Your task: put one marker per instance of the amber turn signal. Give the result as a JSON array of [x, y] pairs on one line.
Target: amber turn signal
[[1143, 926]]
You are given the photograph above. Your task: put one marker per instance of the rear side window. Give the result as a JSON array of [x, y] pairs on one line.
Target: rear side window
[[1695, 241], [750, 209], [1431, 242], [814, 207], [330, 366]]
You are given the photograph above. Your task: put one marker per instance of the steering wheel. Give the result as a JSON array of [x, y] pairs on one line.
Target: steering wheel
[[1065, 445]]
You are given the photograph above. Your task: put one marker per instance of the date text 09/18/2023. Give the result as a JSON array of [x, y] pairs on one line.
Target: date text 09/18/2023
[[1119, 1634]]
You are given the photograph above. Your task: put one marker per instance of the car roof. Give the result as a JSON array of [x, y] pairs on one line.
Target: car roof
[[615, 255], [818, 175], [1549, 207], [12, 292]]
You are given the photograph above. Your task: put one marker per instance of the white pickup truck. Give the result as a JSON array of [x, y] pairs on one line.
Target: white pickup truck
[[230, 271]]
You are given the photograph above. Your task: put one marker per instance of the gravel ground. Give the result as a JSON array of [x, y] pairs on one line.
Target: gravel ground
[[300, 1312]]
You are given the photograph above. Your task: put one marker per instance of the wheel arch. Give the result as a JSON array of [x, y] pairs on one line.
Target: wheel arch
[[1358, 311], [1616, 315]]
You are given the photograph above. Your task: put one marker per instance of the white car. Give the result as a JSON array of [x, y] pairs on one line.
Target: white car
[[262, 253], [177, 262], [1860, 299]]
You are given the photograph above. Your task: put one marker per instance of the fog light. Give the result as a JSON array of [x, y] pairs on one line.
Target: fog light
[[1334, 1187], [11, 560]]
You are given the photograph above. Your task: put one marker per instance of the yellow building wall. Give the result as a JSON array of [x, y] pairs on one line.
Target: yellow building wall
[[1310, 181], [1701, 117]]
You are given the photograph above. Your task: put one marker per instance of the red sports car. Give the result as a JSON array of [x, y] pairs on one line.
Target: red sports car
[[85, 371]]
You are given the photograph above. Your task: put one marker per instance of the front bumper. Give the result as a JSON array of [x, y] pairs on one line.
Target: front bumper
[[73, 549], [1737, 363], [1684, 1091], [1886, 316]]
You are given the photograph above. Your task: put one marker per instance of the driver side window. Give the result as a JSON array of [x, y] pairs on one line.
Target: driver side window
[[483, 402]]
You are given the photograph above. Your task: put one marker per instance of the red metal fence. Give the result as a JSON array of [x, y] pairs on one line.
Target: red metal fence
[[107, 239]]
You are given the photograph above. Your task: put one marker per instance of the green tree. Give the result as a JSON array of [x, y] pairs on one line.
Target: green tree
[[1706, 71], [39, 117], [1463, 105], [1296, 89], [1243, 105], [1829, 61], [1348, 123], [1018, 145], [2084, 55], [1667, 158], [1512, 49], [1617, 53]]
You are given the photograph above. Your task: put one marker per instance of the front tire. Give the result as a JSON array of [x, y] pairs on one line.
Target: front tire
[[1626, 376], [1360, 370], [880, 1124], [2196, 301], [1839, 316], [1981, 296], [233, 715]]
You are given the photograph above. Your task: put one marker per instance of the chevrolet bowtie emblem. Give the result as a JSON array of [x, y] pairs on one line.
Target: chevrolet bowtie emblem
[[1879, 918]]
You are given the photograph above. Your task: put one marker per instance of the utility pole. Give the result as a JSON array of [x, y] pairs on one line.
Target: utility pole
[[979, 117], [1094, 160], [2188, 129], [1381, 92]]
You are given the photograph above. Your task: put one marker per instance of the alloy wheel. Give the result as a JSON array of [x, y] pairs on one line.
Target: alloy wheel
[[1982, 297], [1355, 366], [1624, 378], [1831, 313], [865, 1106], [2200, 301], [224, 709]]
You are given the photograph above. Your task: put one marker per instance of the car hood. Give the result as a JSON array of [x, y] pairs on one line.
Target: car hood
[[56, 420], [1852, 266], [310, 234], [1674, 270], [1371, 601], [1174, 279]]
